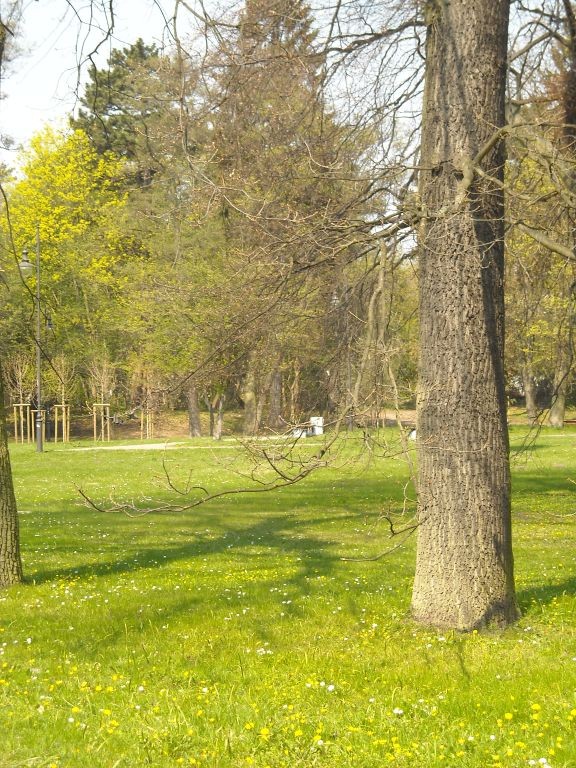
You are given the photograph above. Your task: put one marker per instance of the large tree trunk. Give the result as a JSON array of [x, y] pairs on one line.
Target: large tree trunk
[[10, 563], [194, 424], [464, 570], [250, 422], [565, 353], [210, 408], [295, 393], [565, 340], [558, 408], [218, 404], [263, 399], [561, 375], [275, 407], [530, 394]]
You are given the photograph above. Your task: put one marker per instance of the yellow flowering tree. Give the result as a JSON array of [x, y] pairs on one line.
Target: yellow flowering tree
[[70, 195]]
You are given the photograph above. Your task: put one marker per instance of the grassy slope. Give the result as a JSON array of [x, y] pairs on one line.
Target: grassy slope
[[236, 635]]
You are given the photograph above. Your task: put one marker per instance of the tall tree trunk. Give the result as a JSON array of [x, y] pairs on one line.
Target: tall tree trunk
[[295, 393], [373, 342], [558, 408], [263, 399], [275, 400], [565, 341], [260, 403], [218, 406], [530, 393], [464, 570], [250, 423], [10, 563], [210, 408], [194, 425], [561, 375]]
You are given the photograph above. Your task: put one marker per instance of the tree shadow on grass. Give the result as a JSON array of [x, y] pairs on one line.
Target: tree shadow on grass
[[278, 532], [286, 558], [541, 493], [291, 543], [544, 594], [127, 545], [522, 452]]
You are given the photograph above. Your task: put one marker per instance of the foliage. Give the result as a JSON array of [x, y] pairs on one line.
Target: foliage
[[69, 195], [284, 167], [222, 218], [67, 187], [120, 101], [173, 308], [539, 281]]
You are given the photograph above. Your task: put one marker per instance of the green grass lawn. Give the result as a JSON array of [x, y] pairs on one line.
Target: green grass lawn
[[236, 634]]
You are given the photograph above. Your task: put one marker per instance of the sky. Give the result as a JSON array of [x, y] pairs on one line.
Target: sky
[[40, 84]]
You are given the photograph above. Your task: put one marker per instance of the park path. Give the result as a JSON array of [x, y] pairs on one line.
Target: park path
[[231, 443]]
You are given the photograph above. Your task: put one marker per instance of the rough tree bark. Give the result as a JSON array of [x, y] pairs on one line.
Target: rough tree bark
[[464, 571], [530, 393], [275, 400], [250, 423], [294, 390], [565, 341], [218, 406], [215, 407], [194, 424], [557, 411], [210, 408], [10, 563]]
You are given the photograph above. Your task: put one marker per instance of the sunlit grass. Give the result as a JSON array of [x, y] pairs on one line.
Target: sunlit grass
[[237, 634]]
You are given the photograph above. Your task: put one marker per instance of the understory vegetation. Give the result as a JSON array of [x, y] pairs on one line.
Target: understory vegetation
[[256, 631]]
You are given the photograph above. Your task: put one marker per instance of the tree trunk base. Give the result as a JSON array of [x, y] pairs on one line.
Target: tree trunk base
[[497, 616]]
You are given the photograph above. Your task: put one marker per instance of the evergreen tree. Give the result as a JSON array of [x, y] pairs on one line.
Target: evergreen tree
[[115, 110], [134, 108]]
